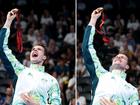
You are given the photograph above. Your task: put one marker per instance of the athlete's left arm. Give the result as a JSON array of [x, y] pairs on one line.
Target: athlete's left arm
[[54, 94], [134, 98]]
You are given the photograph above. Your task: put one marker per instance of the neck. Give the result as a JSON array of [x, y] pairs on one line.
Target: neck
[[118, 70], [37, 67], [119, 73], [117, 67], [38, 63]]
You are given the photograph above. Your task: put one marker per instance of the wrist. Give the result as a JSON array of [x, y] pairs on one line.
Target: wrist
[[92, 22], [7, 23]]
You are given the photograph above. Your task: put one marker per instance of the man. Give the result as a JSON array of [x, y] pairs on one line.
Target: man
[[34, 86], [109, 85]]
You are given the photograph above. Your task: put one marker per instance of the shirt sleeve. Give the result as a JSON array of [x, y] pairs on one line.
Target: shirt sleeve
[[54, 94], [9, 60], [134, 98], [91, 60]]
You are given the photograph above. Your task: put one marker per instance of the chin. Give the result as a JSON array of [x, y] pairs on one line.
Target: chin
[[37, 62], [116, 66], [34, 61]]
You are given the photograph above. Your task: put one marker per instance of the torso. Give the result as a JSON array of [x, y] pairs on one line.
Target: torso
[[115, 88], [34, 83]]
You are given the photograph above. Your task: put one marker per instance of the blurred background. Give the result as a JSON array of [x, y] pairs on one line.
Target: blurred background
[[122, 27], [51, 22]]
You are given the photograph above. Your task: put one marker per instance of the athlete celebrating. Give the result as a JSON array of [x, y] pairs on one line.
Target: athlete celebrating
[[109, 85], [34, 86]]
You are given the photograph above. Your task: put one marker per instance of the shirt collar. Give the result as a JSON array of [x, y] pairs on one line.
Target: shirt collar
[[119, 73], [37, 67]]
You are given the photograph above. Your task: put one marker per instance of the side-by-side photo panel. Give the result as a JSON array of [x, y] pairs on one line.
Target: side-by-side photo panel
[[37, 52], [108, 48]]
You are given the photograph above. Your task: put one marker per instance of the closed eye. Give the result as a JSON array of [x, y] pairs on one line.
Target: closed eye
[[33, 49]]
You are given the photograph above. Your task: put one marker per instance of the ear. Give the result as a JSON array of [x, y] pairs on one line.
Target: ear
[[127, 67], [44, 57]]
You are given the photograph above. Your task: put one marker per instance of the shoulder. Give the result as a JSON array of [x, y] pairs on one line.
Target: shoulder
[[131, 88], [50, 78], [133, 92]]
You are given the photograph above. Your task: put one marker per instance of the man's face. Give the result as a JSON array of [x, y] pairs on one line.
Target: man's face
[[37, 55], [121, 60]]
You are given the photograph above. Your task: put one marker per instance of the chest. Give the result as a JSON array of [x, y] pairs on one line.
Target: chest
[[114, 86], [32, 81]]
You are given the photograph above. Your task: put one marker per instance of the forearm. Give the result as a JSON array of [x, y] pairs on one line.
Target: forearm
[[7, 23], [92, 22]]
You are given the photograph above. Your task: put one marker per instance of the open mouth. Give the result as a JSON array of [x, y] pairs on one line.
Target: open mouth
[[34, 54], [117, 60]]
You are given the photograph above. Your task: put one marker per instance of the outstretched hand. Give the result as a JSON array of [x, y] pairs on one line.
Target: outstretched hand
[[10, 17], [12, 14], [97, 12], [95, 15]]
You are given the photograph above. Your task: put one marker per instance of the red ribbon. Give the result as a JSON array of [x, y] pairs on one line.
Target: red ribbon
[[101, 32], [19, 34]]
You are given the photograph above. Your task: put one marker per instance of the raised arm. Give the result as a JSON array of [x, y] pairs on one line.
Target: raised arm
[[91, 60], [10, 62]]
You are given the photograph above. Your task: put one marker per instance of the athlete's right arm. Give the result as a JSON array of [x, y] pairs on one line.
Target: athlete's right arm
[[91, 60], [10, 62]]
